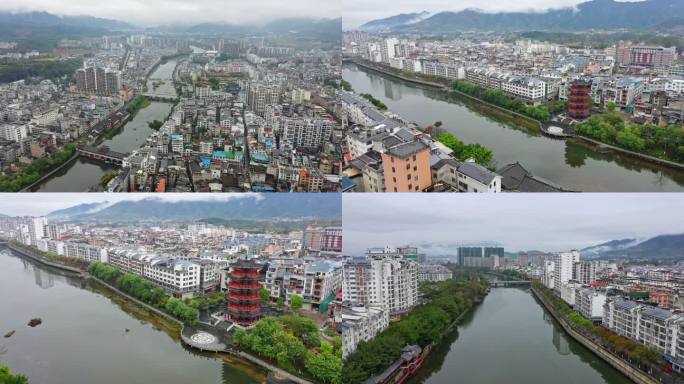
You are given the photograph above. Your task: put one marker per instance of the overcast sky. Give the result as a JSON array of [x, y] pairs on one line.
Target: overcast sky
[[357, 12], [439, 222], [163, 12], [37, 204]]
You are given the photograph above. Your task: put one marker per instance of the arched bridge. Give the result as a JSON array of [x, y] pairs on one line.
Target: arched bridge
[[102, 154]]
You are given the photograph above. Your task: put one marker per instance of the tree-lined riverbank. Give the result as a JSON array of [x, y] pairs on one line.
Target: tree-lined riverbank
[[571, 163]]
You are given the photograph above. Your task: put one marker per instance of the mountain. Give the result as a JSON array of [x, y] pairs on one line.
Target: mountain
[[42, 31], [593, 14], [659, 247], [45, 19], [250, 207], [323, 29], [77, 211], [596, 251], [394, 21]]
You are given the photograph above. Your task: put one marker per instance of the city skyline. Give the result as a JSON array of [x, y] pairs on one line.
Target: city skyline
[[439, 223], [178, 12]]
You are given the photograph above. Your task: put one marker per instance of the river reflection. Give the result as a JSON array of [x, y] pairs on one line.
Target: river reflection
[[510, 339], [88, 336]]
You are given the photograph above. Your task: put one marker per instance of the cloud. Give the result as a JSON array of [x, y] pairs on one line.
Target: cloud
[[550, 222], [166, 12]]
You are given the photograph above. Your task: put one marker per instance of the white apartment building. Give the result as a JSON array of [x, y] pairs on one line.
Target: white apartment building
[[361, 323], [622, 317], [86, 252], [658, 329], [473, 177], [309, 133], [321, 279], [548, 274], [531, 89], [589, 303], [585, 272], [433, 272], [567, 292], [182, 277], [564, 267], [389, 282]]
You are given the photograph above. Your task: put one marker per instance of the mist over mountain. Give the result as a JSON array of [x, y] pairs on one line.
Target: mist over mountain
[[394, 21], [275, 206], [45, 19], [595, 251], [659, 247], [593, 14], [42, 30], [323, 29]]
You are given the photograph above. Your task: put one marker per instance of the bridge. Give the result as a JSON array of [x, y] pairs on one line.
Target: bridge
[[508, 283], [164, 98], [102, 154]]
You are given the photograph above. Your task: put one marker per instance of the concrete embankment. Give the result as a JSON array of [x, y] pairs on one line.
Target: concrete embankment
[[626, 369], [448, 90], [31, 255], [49, 175]]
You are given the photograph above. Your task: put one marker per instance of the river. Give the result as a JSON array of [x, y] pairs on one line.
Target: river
[[571, 164], [83, 336], [84, 173], [510, 338]]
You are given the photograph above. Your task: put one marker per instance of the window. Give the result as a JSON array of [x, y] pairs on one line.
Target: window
[[414, 157], [415, 168], [410, 186], [408, 166], [394, 170], [416, 188], [408, 177]]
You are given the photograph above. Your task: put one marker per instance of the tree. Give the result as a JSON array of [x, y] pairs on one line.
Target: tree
[[265, 295], [296, 302], [611, 106], [280, 302], [438, 124], [326, 366], [7, 377]]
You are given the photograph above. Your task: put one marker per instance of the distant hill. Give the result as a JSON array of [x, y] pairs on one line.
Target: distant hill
[[394, 21], [42, 30], [593, 14], [659, 247], [43, 19], [596, 251], [253, 207], [77, 211], [323, 29]]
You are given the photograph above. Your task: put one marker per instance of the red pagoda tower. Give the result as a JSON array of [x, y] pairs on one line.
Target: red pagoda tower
[[244, 301], [578, 99]]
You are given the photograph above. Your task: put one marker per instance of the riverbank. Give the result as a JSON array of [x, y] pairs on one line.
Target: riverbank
[[31, 255], [172, 326], [512, 116], [634, 374], [473, 102], [48, 175]]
